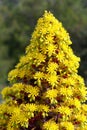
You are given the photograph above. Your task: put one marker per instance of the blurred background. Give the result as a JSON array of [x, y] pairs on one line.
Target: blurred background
[[18, 19]]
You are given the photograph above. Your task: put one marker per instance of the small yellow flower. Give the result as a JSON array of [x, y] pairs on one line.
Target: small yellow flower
[[66, 91], [60, 56], [84, 108], [31, 107], [39, 75], [52, 67], [66, 126], [83, 92], [39, 58], [75, 103], [51, 93], [16, 111], [49, 38], [68, 81], [52, 79], [32, 92], [18, 117], [50, 125], [81, 118], [21, 73], [43, 49], [5, 92], [64, 110], [43, 108], [51, 49], [12, 74]]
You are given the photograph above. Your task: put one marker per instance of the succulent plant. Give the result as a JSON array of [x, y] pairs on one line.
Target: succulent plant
[[45, 92]]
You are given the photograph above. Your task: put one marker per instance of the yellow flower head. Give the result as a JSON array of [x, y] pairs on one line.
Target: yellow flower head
[[74, 103], [32, 92], [81, 118], [50, 125], [64, 110], [52, 93], [39, 75], [51, 48], [66, 126], [66, 91], [12, 74], [52, 79], [84, 108], [52, 67], [31, 107], [43, 108], [39, 58], [16, 111]]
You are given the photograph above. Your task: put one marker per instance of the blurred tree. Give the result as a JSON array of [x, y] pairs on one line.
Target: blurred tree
[[17, 22]]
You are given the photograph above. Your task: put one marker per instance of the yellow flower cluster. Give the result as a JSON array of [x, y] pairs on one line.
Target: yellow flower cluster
[[46, 91], [66, 126], [64, 110], [50, 125], [52, 67], [18, 91]]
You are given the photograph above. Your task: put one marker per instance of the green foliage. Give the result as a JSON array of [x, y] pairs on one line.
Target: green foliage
[[46, 92], [16, 25]]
